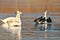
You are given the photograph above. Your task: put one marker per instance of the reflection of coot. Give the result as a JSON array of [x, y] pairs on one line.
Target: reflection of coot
[[49, 26], [42, 28]]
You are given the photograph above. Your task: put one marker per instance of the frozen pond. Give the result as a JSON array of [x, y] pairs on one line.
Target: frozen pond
[[30, 32]]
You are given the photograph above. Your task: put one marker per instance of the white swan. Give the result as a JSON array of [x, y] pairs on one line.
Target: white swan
[[13, 20], [13, 24]]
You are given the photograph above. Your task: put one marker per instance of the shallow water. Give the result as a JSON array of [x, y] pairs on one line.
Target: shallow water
[[30, 32]]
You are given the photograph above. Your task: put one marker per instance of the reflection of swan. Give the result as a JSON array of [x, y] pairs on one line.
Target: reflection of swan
[[43, 27], [13, 24]]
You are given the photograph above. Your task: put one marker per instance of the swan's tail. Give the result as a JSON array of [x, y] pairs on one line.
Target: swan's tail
[[2, 20]]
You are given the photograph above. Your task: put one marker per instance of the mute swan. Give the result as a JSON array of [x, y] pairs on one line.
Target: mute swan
[[13, 24], [13, 20]]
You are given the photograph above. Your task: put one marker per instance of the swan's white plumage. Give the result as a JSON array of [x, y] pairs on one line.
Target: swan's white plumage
[[7, 19], [15, 20]]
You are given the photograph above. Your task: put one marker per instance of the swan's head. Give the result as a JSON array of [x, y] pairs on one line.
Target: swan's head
[[19, 12]]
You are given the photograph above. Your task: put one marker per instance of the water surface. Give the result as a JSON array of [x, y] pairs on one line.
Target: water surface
[[30, 32]]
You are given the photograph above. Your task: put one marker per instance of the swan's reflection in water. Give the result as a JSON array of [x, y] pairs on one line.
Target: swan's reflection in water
[[14, 31], [43, 27]]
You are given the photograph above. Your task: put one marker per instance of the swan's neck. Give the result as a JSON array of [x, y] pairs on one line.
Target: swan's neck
[[45, 14], [18, 15]]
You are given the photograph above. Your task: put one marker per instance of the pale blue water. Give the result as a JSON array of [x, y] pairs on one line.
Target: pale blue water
[[29, 32]]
